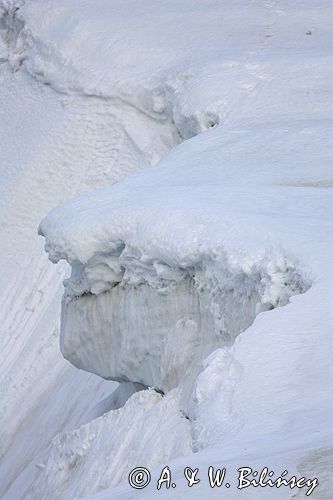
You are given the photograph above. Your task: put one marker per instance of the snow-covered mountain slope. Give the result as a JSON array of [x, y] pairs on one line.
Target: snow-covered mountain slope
[[53, 145], [173, 262], [220, 232]]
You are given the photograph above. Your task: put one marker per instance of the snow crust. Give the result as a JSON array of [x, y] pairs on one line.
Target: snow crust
[[72, 468], [173, 262]]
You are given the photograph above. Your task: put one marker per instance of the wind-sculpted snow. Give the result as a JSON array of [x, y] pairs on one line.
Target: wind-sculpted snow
[[164, 273], [189, 259], [156, 334], [53, 146]]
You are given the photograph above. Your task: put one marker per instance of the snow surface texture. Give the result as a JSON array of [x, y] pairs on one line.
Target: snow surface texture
[[119, 439], [191, 311], [229, 224], [52, 146]]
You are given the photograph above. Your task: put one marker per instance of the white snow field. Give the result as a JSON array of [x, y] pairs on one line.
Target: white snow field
[[186, 146]]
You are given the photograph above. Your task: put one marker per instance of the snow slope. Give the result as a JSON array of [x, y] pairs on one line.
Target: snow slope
[[237, 219], [120, 438], [269, 383], [52, 146]]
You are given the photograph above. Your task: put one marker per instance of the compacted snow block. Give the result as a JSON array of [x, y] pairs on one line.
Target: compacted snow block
[[156, 335]]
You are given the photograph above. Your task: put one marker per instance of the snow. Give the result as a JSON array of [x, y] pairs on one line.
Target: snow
[[203, 277], [178, 271], [113, 335], [52, 146], [72, 468]]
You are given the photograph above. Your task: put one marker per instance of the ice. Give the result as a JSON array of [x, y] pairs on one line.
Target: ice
[[115, 335]]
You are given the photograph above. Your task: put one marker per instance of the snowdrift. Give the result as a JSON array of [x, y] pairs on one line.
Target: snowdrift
[[178, 271], [139, 315]]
